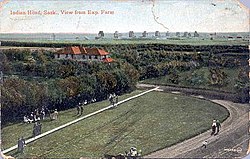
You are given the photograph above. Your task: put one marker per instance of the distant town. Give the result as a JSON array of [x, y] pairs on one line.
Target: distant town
[[116, 35]]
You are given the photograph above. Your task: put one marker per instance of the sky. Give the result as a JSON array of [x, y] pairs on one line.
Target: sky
[[124, 15]]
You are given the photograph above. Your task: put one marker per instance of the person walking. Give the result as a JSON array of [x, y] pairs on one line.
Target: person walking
[[111, 98], [81, 108], [78, 109], [42, 114], [116, 100], [39, 128], [218, 126], [55, 114], [213, 127], [20, 145], [35, 132]]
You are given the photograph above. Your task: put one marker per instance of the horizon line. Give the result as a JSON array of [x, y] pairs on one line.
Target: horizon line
[[120, 32]]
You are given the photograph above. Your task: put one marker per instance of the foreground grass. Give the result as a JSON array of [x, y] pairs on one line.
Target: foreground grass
[[151, 122], [11, 133], [229, 87]]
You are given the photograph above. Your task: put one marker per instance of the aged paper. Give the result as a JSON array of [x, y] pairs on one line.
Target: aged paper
[[124, 78]]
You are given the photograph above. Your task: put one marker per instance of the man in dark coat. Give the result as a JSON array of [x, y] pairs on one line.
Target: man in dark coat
[[81, 108], [78, 109], [20, 145], [218, 126]]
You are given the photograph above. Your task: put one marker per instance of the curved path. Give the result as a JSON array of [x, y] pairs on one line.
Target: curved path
[[232, 141]]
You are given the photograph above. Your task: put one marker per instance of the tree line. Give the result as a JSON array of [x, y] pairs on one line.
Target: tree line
[[35, 79]]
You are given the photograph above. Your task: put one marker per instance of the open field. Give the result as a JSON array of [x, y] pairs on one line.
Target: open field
[[151, 122], [144, 41]]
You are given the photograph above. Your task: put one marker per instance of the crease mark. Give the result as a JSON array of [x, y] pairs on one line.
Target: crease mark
[[156, 18]]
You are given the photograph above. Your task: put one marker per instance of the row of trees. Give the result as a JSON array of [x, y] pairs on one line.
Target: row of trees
[[36, 79], [41, 80], [128, 47]]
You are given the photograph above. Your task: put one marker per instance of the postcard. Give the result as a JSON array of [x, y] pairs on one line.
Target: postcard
[[124, 79]]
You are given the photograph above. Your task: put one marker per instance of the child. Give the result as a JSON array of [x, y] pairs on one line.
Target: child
[[204, 144]]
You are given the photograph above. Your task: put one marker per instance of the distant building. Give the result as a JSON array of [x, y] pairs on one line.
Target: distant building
[[196, 34], [185, 34], [178, 34], [157, 33], [167, 34], [131, 34], [144, 34], [79, 53], [53, 36], [212, 36], [101, 34], [116, 34], [239, 37]]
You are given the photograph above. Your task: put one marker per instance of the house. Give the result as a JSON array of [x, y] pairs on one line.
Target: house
[[79, 53], [131, 34], [177, 34], [196, 34], [168, 34], [100, 35], [185, 34], [157, 33], [116, 34], [144, 34]]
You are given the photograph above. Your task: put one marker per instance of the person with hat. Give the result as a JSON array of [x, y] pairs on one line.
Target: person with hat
[[213, 127]]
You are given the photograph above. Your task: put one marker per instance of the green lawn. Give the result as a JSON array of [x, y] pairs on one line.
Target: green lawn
[[151, 122], [232, 74], [11, 133]]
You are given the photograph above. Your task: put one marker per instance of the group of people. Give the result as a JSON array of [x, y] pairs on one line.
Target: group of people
[[131, 154], [34, 116], [113, 98], [216, 126], [79, 107]]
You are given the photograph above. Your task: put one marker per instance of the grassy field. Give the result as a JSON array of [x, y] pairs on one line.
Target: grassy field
[[146, 41], [151, 122], [12, 132], [232, 76]]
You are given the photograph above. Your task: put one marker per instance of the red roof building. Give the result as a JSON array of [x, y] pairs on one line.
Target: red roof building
[[83, 54]]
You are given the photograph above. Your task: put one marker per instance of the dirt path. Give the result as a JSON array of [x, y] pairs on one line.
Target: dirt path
[[231, 142]]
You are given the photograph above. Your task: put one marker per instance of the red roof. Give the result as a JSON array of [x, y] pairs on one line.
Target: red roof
[[71, 50], [82, 50], [108, 60], [95, 51]]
